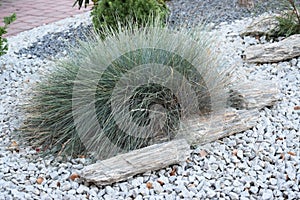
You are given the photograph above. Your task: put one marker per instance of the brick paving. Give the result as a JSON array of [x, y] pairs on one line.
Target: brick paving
[[34, 13]]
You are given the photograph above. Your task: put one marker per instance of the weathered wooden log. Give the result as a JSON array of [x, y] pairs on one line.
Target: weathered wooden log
[[263, 25], [195, 131], [122, 166], [275, 52], [199, 131], [253, 94]]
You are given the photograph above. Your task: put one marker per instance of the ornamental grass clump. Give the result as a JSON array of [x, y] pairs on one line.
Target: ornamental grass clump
[[135, 88]]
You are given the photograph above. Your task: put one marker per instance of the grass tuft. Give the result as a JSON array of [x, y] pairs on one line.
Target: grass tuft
[[133, 89], [289, 21]]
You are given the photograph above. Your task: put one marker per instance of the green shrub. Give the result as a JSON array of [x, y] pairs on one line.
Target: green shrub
[[111, 13], [3, 41], [133, 89], [288, 22]]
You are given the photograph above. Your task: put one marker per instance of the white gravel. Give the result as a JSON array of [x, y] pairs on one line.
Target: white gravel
[[266, 164]]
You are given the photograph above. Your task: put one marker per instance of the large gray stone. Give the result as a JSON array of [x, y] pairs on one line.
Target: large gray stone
[[275, 52]]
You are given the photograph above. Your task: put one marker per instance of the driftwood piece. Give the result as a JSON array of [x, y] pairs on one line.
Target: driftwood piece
[[248, 95], [253, 94], [122, 166], [233, 121], [275, 52], [263, 25]]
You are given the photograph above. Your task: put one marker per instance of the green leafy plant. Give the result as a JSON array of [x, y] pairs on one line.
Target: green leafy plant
[[135, 88], [3, 41], [111, 13], [288, 22]]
